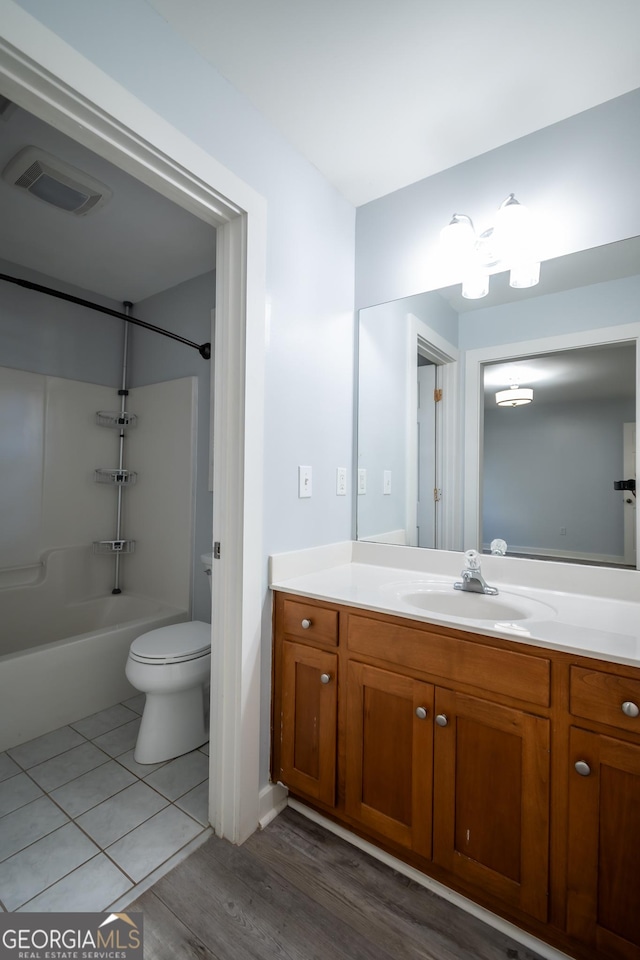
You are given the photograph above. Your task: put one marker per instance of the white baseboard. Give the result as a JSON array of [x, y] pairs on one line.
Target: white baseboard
[[271, 801]]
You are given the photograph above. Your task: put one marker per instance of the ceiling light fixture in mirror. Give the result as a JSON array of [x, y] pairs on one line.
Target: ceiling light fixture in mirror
[[515, 396]]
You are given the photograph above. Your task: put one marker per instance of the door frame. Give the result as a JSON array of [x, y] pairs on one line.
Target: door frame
[[629, 456], [443, 353], [49, 78]]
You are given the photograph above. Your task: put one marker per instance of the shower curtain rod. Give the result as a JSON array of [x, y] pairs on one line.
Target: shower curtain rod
[[204, 349]]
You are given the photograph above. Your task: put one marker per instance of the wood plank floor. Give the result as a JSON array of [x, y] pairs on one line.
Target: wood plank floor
[[297, 892]]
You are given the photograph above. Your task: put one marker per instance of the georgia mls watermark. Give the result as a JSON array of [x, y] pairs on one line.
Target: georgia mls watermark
[[71, 936]]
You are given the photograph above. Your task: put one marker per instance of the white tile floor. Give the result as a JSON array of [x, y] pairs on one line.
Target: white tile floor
[[83, 826]]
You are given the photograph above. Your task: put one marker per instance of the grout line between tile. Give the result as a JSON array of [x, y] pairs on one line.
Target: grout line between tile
[[158, 871], [68, 874], [26, 769], [168, 804]]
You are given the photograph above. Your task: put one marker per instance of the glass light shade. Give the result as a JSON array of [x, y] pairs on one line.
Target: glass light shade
[[512, 232], [524, 275], [458, 238], [475, 285], [514, 397]]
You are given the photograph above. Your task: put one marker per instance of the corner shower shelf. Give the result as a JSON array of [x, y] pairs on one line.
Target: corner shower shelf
[[106, 418], [114, 546], [121, 478]]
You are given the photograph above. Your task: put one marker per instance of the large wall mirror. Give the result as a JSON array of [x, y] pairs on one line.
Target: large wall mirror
[[442, 464]]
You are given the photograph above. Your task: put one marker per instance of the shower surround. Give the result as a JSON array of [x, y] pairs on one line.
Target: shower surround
[[63, 637]]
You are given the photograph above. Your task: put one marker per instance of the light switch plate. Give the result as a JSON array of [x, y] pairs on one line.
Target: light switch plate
[[304, 482]]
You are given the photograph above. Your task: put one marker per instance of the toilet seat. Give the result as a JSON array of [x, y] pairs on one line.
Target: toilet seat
[[176, 643]]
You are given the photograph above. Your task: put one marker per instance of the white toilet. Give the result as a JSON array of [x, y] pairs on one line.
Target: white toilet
[[172, 666]]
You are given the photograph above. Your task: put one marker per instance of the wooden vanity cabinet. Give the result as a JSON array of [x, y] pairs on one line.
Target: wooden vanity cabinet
[[438, 746], [389, 750], [461, 779], [491, 799], [308, 724], [305, 707], [603, 900]]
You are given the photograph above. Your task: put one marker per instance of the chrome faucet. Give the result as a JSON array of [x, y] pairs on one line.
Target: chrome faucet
[[472, 579]]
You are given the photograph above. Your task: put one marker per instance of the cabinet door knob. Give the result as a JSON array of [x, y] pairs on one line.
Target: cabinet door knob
[[421, 713], [583, 768], [442, 720], [325, 678], [630, 709], [305, 624]]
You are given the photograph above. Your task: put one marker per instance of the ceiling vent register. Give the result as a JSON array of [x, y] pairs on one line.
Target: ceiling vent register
[[56, 182]]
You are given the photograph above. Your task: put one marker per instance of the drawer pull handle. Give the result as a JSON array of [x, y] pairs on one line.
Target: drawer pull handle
[[630, 709], [421, 713], [442, 720], [305, 624], [325, 678], [583, 768]]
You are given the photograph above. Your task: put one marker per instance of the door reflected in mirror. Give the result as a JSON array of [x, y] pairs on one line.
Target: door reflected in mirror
[[550, 464]]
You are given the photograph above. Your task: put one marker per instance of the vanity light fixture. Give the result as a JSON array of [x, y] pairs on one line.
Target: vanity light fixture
[[515, 396], [507, 244]]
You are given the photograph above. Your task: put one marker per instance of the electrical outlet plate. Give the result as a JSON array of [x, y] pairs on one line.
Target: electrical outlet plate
[[362, 481], [341, 482]]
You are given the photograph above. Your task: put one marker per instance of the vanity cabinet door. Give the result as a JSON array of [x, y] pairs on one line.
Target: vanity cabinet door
[[491, 799], [307, 722], [389, 755], [603, 904]]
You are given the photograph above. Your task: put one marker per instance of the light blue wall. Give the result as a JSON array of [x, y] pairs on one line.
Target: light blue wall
[[382, 398], [186, 310], [579, 177], [54, 337], [585, 308], [310, 266], [382, 420], [552, 467], [434, 310]]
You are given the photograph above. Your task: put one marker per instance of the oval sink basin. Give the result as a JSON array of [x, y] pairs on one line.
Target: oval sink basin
[[439, 598]]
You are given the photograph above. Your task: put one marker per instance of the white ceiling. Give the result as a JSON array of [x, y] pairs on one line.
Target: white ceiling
[[138, 244], [602, 373], [375, 94], [381, 93]]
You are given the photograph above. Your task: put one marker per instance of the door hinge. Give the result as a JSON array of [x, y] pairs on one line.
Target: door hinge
[[437, 395], [436, 494], [216, 550]]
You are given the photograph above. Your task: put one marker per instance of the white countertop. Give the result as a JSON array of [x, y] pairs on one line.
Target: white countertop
[[592, 625]]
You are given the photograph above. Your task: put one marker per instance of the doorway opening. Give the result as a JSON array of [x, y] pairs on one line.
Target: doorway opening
[[86, 104]]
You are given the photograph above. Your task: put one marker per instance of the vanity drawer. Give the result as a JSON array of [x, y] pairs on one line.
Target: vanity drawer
[[600, 696], [489, 669], [315, 624]]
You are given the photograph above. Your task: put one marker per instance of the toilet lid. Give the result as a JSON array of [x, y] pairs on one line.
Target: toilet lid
[[179, 641]]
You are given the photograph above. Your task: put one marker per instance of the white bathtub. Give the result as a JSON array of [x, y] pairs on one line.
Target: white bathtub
[[62, 656]]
